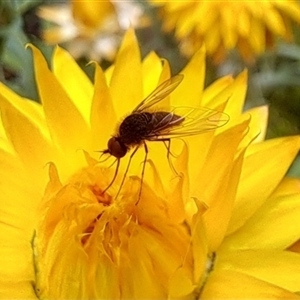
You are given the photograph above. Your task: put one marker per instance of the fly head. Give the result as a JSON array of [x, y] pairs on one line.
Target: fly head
[[116, 148]]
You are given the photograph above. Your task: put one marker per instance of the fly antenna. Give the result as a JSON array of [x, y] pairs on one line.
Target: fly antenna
[[103, 152]]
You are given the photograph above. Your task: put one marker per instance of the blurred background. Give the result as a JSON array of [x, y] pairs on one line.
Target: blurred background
[[92, 30]]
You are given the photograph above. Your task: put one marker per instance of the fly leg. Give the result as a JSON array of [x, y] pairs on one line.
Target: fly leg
[[168, 146], [167, 143], [127, 168], [143, 171]]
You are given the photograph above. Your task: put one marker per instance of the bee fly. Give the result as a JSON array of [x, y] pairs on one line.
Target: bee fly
[[157, 125]]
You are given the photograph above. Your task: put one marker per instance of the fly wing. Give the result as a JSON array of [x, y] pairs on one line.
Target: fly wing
[[160, 93], [189, 121]]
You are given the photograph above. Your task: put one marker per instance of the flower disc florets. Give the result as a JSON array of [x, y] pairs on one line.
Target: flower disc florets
[[86, 236]]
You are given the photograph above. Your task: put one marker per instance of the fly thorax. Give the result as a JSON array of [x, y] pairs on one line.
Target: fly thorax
[[135, 128]]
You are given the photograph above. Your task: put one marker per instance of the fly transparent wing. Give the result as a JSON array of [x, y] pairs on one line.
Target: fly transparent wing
[[160, 93], [189, 121]]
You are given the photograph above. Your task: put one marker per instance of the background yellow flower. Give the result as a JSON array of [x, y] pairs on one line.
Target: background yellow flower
[[249, 26]]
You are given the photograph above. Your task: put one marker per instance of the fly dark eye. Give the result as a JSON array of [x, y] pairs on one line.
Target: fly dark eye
[[116, 148]]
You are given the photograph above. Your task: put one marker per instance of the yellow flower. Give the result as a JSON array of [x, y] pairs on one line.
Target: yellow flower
[[90, 28], [63, 238], [249, 26]]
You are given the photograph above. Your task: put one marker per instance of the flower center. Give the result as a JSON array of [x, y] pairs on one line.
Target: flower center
[[92, 245]]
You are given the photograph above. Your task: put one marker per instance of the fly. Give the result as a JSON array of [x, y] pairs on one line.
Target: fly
[[144, 125]]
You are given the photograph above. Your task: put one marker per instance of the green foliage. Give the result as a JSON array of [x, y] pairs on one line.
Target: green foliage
[[16, 60]]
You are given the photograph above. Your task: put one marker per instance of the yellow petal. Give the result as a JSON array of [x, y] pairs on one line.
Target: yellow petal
[[165, 72], [152, 68], [290, 8], [57, 35], [17, 272], [258, 123], [257, 42], [62, 115], [212, 39], [275, 225], [193, 82], [228, 30], [230, 284], [271, 266], [237, 91], [32, 145], [198, 144], [180, 285], [249, 197], [210, 17], [92, 14], [199, 242], [243, 19], [274, 22], [217, 183], [73, 80], [187, 21], [214, 89], [32, 109], [144, 269], [213, 97], [17, 204], [17, 214], [258, 118], [126, 82], [287, 186], [102, 112]]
